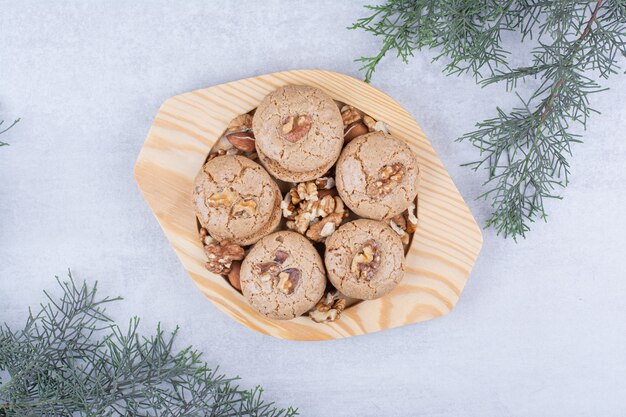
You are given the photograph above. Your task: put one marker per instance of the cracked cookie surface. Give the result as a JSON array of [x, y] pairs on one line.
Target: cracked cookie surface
[[377, 176], [236, 200], [299, 132], [283, 276], [364, 259]]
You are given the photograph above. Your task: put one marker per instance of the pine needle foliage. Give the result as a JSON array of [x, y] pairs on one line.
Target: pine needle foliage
[[525, 150], [71, 359], [3, 130]]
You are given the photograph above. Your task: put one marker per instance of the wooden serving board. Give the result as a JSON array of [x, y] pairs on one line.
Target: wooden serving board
[[443, 250]]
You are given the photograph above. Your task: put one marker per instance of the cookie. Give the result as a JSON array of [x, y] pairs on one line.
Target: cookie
[[283, 276], [235, 199], [364, 259], [274, 168], [299, 133], [377, 176]]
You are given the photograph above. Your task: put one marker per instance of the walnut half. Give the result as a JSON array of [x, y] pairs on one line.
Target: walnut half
[[288, 280], [244, 208], [366, 261], [389, 176], [296, 127], [221, 256], [223, 198]]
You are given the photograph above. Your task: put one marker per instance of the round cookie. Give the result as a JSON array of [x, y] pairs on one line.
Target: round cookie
[[299, 132], [283, 276], [235, 199], [275, 169], [364, 259], [377, 176]]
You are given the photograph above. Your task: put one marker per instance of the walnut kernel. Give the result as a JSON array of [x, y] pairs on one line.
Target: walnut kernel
[[221, 256], [295, 128], [245, 208], [224, 198], [329, 308], [288, 280], [389, 176], [366, 261], [349, 115]]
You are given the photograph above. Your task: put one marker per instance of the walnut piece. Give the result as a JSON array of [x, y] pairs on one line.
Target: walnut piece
[[411, 218], [309, 204], [389, 176], [269, 274], [221, 256], [223, 198], [296, 127], [353, 125], [329, 308], [244, 208], [325, 227], [220, 152], [306, 191], [349, 115], [288, 207], [374, 126], [405, 223], [280, 256], [325, 183], [240, 123], [366, 261], [288, 280]]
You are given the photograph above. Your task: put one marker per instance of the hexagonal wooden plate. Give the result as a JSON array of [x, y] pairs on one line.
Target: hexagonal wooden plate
[[443, 250]]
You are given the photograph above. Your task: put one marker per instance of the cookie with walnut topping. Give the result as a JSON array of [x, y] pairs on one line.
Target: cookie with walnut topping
[[364, 259], [283, 276], [377, 176], [299, 133], [236, 200]]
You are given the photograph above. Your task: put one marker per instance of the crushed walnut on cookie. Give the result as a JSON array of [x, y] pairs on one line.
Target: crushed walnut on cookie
[[245, 208], [366, 261], [389, 176], [295, 128]]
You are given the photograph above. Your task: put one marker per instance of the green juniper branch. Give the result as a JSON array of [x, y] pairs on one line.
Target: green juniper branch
[[3, 130], [525, 151], [71, 359]]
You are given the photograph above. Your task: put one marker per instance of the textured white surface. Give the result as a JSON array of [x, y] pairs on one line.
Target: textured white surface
[[540, 328]]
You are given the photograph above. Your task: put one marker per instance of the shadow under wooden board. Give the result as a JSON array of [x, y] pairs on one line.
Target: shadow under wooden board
[[443, 250]]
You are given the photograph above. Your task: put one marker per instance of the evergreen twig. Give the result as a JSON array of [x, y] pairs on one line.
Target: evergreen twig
[[3, 130], [525, 151], [71, 359]]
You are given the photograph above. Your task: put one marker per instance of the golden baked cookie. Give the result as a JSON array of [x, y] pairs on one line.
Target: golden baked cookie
[[299, 132], [377, 176], [283, 276], [236, 200], [364, 259]]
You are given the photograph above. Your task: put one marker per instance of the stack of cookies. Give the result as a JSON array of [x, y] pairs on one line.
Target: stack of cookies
[[307, 205]]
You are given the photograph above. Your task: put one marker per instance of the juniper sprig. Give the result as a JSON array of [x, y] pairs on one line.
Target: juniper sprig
[[71, 359], [525, 151], [3, 130]]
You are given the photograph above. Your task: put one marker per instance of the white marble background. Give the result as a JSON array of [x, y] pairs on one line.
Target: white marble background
[[540, 329]]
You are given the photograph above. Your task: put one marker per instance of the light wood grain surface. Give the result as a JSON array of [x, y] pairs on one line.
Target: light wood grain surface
[[443, 250]]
